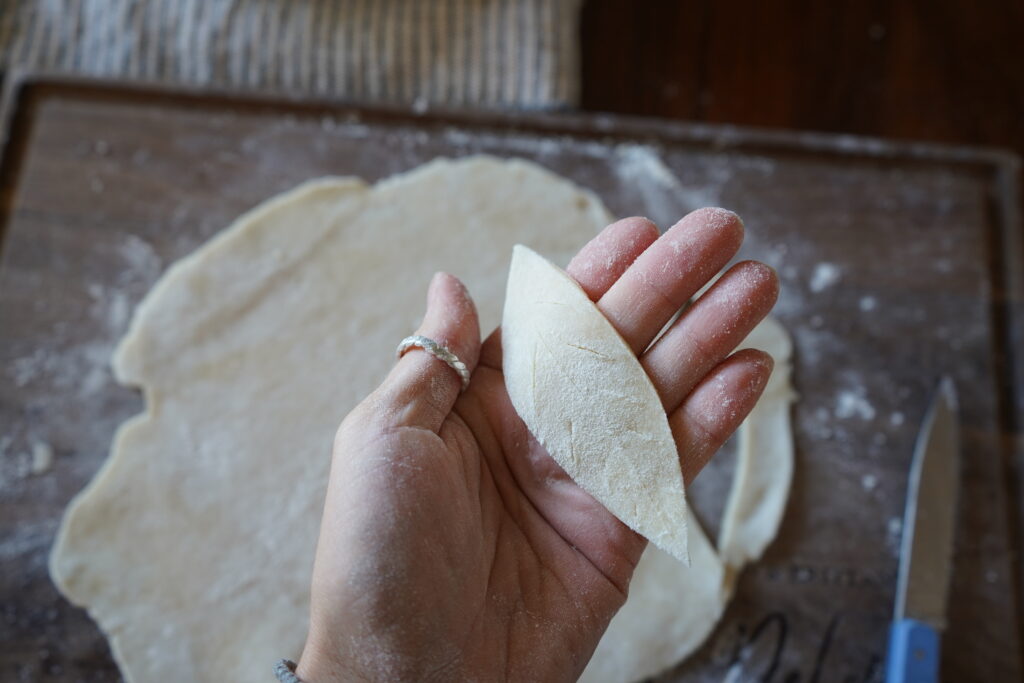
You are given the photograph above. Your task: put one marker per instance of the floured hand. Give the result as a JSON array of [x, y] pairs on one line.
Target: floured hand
[[452, 546]]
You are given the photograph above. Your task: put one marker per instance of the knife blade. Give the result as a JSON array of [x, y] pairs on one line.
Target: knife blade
[[926, 553]]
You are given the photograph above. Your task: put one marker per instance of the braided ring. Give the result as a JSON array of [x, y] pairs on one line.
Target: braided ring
[[437, 351]]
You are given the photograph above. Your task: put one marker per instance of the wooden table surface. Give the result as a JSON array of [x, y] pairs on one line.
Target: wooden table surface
[[106, 187], [940, 70]]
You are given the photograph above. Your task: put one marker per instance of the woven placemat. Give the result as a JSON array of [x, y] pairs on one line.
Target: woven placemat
[[489, 53]]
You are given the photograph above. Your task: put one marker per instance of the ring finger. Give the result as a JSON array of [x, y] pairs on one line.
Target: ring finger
[[709, 330]]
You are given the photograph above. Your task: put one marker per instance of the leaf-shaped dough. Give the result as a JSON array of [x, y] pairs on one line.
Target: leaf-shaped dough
[[585, 397]]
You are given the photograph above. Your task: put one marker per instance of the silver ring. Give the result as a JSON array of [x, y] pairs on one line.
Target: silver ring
[[437, 351]]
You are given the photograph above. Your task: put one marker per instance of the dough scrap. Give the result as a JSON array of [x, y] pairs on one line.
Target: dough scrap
[[205, 515], [671, 610], [584, 395], [764, 466]]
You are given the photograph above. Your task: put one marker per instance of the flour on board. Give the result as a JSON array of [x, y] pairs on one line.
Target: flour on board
[[825, 275]]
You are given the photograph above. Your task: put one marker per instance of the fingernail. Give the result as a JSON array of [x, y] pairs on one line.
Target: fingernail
[[760, 380], [719, 217]]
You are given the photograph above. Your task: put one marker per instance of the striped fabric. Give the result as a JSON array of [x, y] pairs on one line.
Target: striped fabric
[[493, 53]]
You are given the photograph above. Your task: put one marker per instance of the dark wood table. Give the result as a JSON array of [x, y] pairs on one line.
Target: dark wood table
[[940, 70]]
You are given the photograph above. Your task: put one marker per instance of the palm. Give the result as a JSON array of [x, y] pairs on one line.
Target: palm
[[516, 525], [453, 545]]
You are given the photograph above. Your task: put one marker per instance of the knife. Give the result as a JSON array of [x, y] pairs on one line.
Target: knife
[[926, 553]]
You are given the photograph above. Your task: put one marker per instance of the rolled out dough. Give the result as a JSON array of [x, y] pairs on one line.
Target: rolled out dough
[[193, 545]]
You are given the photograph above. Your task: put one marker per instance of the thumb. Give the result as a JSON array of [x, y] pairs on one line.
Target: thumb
[[421, 389]]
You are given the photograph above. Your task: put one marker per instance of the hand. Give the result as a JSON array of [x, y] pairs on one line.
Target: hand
[[452, 546]]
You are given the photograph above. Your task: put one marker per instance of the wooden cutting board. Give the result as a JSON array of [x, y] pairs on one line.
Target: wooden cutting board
[[898, 263]]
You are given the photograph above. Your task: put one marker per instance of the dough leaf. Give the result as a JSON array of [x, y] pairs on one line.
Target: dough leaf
[[585, 397]]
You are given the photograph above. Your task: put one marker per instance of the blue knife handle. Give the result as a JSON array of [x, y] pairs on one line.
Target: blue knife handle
[[913, 653]]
